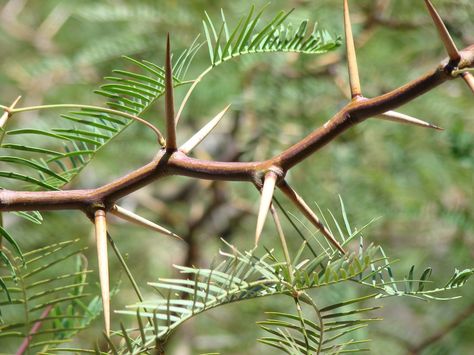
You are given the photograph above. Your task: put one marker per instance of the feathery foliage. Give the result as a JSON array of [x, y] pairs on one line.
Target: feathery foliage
[[295, 336], [275, 35], [245, 275], [60, 153], [52, 315]]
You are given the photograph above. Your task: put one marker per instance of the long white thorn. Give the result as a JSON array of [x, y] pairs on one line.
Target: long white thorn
[[448, 42], [265, 201], [197, 138], [129, 216], [102, 256], [402, 118], [351, 54]]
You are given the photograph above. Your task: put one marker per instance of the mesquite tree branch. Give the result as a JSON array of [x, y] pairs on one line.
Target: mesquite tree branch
[[178, 163], [266, 174]]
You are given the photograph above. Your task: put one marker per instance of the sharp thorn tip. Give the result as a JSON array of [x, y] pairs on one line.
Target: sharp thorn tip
[[402, 118]]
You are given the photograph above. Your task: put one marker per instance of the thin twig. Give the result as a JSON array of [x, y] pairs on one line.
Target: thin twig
[[441, 333], [36, 327]]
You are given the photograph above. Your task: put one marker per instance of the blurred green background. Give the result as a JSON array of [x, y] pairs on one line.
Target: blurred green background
[[420, 182]]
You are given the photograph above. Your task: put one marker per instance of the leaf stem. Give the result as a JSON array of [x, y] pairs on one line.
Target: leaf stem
[[129, 274], [320, 319], [303, 327], [161, 139], [26, 342]]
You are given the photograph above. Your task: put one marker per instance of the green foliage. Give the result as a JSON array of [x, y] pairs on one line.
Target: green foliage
[[293, 336], [245, 275], [92, 128], [58, 309], [274, 36]]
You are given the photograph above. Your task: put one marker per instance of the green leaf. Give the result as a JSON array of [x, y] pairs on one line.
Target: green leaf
[[31, 164], [14, 244], [348, 302], [67, 286], [32, 216], [459, 278], [128, 342], [30, 149], [5, 288], [344, 216], [35, 132]]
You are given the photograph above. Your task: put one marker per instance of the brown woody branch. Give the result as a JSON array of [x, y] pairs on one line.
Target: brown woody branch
[[177, 163]]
